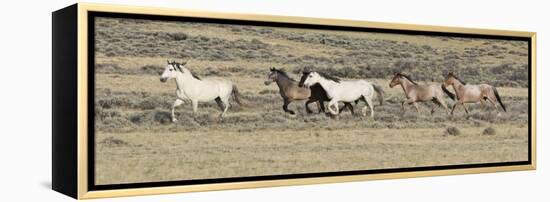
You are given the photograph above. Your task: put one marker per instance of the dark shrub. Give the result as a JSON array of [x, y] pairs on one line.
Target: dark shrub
[[163, 117], [452, 131], [178, 36], [489, 131]]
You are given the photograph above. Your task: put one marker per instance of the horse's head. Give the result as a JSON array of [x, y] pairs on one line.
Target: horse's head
[[171, 69], [396, 80], [449, 79], [303, 79], [311, 79], [273, 75]]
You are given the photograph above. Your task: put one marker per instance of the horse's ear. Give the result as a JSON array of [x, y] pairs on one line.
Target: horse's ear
[[306, 70], [168, 61]]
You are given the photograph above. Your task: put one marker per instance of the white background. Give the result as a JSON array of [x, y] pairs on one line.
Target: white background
[[25, 87]]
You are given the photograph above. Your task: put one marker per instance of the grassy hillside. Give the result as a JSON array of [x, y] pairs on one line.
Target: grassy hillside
[[136, 142]]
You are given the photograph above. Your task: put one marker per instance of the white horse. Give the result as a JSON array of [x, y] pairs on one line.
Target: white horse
[[345, 91], [191, 87]]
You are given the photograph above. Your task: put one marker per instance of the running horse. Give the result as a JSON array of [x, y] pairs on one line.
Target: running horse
[[420, 93], [190, 87], [319, 95], [345, 91], [467, 93], [290, 91]]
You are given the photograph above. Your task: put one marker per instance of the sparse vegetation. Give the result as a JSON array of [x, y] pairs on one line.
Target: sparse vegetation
[[489, 131], [137, 142], [452, 131]]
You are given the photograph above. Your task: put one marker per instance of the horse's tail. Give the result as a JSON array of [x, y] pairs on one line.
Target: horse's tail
[[236, 95], [498, 98], [380, 93], [451, 95]]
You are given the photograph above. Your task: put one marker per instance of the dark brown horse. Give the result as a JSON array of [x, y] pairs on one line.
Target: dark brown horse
[[290, 91]]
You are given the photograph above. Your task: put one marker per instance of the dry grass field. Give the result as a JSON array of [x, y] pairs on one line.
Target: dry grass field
[[137, 142]]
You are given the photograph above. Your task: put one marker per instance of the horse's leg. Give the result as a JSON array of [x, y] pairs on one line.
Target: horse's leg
[[220, 103], [178, 102], [307, 107], [493, 103], [321, 106], [371, 107], [225, 103], [435, 103], [340, 109], [465, 108], [416, 107], [454, 107], [482, 103], [443, 104], [285, 107], [407, 101], [350, 107], [331, 105], [195, 104], [347, 105]]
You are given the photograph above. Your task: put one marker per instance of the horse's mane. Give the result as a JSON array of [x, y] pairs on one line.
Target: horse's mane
[[192, 74], [329, 77], [459, 80], [282, 72], [408, 78], [195, 76]]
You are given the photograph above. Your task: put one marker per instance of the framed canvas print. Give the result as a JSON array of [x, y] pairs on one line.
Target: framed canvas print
[[156, 100]]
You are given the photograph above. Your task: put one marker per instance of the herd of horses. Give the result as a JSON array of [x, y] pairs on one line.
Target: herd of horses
[[318, 87]]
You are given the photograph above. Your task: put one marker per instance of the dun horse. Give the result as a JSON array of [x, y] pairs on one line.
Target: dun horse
[[345, 91], [420, 93], [472, 93], [290, 91], [190, 87]]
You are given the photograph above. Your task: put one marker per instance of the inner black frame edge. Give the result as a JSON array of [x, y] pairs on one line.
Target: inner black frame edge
[[91, 96]]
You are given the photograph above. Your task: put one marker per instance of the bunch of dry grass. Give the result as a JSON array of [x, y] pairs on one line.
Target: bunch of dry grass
[[452, 131], [489, 131]]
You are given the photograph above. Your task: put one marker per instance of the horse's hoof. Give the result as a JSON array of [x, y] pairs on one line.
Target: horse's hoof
[[174, 120]]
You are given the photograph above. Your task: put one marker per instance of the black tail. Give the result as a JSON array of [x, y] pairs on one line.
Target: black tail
[[498, 98], [236, 95], [380, 92], [451, 95]]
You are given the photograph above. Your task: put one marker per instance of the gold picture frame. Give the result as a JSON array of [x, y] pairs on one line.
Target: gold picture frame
[[71, 155]]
